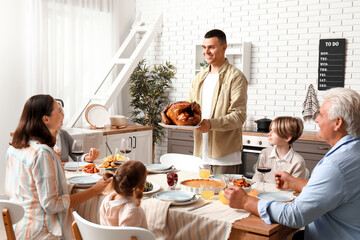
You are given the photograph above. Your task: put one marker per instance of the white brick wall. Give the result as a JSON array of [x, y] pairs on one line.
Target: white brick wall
[[284, 35]]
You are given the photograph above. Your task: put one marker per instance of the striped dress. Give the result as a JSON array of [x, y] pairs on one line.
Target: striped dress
[[35, 178]]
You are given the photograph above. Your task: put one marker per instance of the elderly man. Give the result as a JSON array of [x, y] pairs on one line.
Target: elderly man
[[329, 203]]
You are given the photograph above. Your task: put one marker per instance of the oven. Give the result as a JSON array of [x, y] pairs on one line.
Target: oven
[[252, 146]]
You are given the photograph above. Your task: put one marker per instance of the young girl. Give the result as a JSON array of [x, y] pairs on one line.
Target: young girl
[[281, 157], [122, 206]]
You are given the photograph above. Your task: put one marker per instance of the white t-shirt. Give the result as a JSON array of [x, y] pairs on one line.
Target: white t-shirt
[[207, 98]]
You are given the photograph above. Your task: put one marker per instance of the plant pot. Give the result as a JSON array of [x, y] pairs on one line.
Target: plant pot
[[263, 124]]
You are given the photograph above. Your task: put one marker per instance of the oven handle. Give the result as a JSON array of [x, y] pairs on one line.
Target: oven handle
[[251, 151]]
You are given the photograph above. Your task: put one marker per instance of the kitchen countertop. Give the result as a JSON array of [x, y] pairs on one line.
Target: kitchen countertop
[[307, 135], [126, 129]]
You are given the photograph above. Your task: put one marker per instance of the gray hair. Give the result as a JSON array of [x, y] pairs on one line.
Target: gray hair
[[346, 105]]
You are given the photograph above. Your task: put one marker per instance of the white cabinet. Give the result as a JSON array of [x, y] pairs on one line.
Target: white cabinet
[[238, 54], [141, 144]]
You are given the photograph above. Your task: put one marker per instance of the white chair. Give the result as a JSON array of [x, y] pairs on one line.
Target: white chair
[[12, 212], [182, 161], [83, 229]]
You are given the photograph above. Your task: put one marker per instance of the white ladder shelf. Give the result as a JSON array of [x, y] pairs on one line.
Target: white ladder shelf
[[129, 65]]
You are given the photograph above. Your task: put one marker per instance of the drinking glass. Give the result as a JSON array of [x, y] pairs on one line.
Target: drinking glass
[[172, 179], [125, 147], [77, 150], [117, 154], [207, 190], [204, 171], [263, 170]]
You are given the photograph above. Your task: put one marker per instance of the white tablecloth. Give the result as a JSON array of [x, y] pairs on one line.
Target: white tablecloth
[[213, 221]]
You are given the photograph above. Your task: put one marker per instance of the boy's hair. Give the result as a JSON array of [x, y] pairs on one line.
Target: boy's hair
[[129, 179], [216, 33], [286, 127]]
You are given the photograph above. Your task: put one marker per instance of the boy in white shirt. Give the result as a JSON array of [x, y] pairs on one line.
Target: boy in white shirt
[[281, 157]]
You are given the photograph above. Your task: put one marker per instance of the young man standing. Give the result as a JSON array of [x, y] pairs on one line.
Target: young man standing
[[221, 91]]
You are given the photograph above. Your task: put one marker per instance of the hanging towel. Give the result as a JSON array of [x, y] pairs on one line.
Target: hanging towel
[[310, 105]]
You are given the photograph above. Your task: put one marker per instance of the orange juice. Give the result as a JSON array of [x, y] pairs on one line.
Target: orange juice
[[204, 173], [207, 194], [222, 197]]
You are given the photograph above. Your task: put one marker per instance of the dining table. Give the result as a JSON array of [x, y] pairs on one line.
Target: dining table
[[211, 221]]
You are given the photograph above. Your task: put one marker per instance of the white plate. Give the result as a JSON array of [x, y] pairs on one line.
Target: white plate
[[179, 127], [194, 199], [97, 115], [72, 166], [158, 167], [236, 176], [83, 180], [279, 197], [175, 196], [156, 187]]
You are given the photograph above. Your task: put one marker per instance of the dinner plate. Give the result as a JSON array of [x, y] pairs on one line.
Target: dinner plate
[[156, 187], [179, 127], [97, 115], [276, 196], [175, 196], [158, 167], [174, 203], [72, 166], [83, 180], [236, 176]]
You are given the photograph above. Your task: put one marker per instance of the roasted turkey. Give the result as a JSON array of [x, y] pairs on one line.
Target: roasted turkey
[[181, 113]]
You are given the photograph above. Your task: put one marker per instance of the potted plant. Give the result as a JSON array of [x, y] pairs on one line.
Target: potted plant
[[148, 92], [203, 65]]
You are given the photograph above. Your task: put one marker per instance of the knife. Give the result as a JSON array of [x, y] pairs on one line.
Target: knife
[[199, 206]]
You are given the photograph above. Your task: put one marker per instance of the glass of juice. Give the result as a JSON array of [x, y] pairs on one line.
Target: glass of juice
[[204, 171], [207, 190]]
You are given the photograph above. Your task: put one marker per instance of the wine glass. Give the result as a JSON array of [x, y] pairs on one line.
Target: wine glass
[[77, 150], [263, 169], [125, 147], [117, 154]]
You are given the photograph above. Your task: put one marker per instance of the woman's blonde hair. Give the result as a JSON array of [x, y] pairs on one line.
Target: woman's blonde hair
[[286, 127], [128, 180]]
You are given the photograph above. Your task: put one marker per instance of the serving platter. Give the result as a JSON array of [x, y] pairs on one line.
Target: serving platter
[[179, 127], [193, 185]]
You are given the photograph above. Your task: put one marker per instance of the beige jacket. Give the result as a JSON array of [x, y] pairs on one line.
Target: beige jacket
[[228, 111]]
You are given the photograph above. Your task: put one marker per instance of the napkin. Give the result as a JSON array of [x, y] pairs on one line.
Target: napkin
[[156, 212], [310, 105]]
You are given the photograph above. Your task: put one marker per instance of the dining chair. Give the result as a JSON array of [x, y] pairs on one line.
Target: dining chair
[[181, 161], [83, 229], [12, 212]]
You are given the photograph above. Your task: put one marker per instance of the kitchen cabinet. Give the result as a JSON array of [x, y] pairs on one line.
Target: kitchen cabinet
[[311, 151], [238, 54], [141, 144], [180, 141]]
